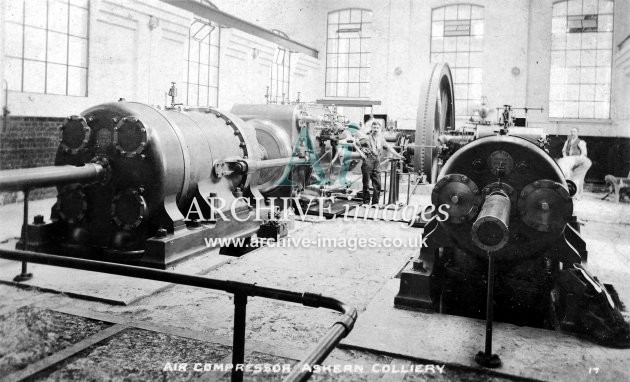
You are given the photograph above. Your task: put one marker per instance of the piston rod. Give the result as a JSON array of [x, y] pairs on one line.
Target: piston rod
[[28, 178]]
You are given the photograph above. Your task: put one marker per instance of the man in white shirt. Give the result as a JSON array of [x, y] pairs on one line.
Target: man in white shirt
[[574, 162], [371, 145]]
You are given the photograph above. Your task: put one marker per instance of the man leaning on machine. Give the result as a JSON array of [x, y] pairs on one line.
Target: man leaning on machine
[[371, 145]]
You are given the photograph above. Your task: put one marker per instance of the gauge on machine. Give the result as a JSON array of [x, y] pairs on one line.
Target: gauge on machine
[[501, 163]]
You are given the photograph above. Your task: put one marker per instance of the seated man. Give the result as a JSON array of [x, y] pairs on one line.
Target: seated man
[[574, 162], [371, 145]]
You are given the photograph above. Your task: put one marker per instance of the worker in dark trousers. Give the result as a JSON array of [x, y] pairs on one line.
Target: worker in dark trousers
[[371, 145]]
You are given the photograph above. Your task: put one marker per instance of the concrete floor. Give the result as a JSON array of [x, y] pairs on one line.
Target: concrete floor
[[282, 331]]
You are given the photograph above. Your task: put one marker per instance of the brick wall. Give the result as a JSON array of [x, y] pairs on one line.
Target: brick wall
[[28, 142]]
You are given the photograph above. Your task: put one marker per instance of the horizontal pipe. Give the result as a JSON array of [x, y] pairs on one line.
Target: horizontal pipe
[[324, 347], [36, 177]]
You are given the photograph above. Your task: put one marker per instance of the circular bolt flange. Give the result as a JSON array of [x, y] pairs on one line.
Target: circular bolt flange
[[130, 137], [75, 134]]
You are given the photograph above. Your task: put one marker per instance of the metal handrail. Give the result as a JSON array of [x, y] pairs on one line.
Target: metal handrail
[[327, 343]]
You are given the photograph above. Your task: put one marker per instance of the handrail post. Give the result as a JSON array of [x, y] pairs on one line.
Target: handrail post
[[238, 343], [24, 275]]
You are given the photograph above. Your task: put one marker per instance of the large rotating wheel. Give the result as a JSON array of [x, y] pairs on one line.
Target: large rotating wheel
[[436, 114]]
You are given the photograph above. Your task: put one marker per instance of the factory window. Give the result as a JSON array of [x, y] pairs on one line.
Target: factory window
[[280, 70], [201, 67], [46, 46], [457, 39], [581, 59], [348, 53]]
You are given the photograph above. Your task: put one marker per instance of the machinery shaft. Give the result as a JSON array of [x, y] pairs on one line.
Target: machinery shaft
[[27, 178], [490, 231]]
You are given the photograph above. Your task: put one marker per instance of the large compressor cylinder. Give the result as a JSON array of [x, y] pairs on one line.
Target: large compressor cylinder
[[162, 197]]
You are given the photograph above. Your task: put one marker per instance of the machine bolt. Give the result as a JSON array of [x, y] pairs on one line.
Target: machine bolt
[[544, 206], [236, 132], [477, 163], [228, 122], [537, 184], [455, 199], [486, 190], [141, 190], [39, 219], [522, 166], [143, 156], [90, 119], [464, 179]]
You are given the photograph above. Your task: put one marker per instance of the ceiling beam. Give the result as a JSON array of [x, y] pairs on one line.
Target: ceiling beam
[[208, 12]]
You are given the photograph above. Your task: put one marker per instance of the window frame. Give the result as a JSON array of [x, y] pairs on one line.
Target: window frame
[[68, 35], [364, 91], [577, 119], [469, 51], [215, 28]]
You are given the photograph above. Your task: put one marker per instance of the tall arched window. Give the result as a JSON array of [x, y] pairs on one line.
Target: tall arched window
[[581, 59], [348, 50], [201, 66], [457, 39]]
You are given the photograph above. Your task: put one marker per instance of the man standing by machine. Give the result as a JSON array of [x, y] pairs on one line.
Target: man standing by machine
[[574, 162], [371, 145]]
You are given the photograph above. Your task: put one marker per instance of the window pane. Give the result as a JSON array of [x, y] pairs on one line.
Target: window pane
[[204, 72], [57, 48], [78, 21], [35, 13], [77, 81], [603, 75], [193, 73], [587, 109], [214, 55], [587, 92], [602, 110], [437, 29], [34, 43], [571, 110], [203, 96], [331, 75], [78, 52], [56, 79], [204, 54], [214, 76], [604, 58], [58, 16], [214, 96], [34, 76], [353, 90], [192, 94]]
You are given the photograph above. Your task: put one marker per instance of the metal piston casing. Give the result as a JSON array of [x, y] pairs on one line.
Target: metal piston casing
[[534, 202], [160, 160]]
